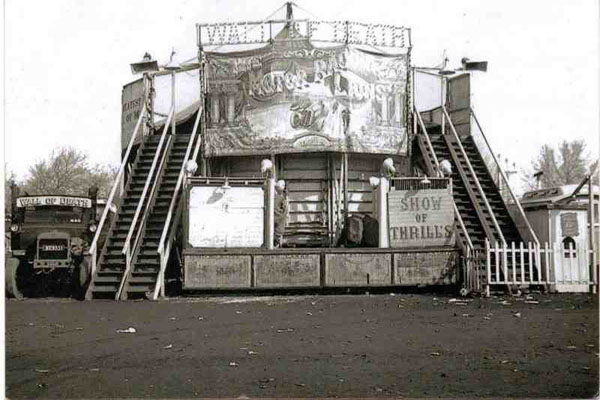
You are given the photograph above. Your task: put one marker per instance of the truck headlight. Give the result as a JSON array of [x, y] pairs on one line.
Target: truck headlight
[[93, 228], [14, 228]]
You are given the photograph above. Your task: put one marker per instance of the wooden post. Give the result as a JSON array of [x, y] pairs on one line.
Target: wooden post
[[522, 260], [514, 263], [488, 268], [530, 254], [382, 212], [270, 222], [173, 104], [547, 262], [497, 260], [345, 166]]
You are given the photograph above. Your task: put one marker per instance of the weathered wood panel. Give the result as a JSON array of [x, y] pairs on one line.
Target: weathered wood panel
[[298, 270], [216, 272], [422, 268], [358, 269], [305, 175], [306, 196]]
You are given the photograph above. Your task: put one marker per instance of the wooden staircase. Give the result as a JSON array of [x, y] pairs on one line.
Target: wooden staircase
[[111, 263], [470, 204], [146, 264]]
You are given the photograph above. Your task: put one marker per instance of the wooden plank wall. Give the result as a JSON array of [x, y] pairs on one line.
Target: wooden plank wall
[[306, 177]]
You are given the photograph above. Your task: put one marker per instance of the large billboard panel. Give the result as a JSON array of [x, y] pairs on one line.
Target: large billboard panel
[[291, 97]]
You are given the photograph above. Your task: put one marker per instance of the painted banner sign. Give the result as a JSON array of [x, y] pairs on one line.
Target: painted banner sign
[[290, 97], [421, 218], [36, 201], [223, 218], [132, 101]]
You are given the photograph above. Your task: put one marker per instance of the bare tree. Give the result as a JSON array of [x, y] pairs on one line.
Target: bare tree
[[67, 171], [568, 165]]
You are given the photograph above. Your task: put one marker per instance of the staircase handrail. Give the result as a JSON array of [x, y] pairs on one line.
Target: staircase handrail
[[161, 244], [472, 171], [438, 171], [92, 248], [504, 178], [126, 246], [131, 251]]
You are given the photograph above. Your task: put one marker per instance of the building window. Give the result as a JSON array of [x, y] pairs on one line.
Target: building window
[[569, 243]]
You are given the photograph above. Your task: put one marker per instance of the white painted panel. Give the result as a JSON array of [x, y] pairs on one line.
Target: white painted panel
[[226, 218]]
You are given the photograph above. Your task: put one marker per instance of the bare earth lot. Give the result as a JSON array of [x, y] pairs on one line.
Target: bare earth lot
[[304, 346]]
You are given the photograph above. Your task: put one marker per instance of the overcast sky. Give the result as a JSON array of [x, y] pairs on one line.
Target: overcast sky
[[66, 61]]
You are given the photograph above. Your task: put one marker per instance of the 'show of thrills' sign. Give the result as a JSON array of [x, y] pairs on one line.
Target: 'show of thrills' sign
[[421, 218]]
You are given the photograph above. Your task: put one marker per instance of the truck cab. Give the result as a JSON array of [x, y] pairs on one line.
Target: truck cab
[[49, 240]]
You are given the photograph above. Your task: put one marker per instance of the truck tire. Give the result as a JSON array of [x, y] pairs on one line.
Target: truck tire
[[81, 278], [10, 278]]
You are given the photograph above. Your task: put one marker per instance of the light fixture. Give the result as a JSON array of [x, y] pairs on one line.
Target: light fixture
[[147, 64], [266, 167], [191, 167], [226, 184], [425, 181], [172, 65]]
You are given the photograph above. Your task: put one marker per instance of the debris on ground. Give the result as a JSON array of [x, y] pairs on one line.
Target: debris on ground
[[435, 354], [167, 347], [94, 369], [250, 353], [517, 315], [42, 371], [238, 312], [531, 302], [233, 364], [285, 330], [128, 330], [200, 318]]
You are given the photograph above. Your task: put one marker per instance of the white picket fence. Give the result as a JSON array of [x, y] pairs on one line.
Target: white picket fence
[[527, 264]]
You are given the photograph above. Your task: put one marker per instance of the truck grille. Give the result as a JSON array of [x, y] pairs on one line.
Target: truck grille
[[53, 249]]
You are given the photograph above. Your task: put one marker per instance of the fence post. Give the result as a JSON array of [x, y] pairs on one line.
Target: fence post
[[522, 261], [530, 258], [488, 268], [497, 261], [514, 262]]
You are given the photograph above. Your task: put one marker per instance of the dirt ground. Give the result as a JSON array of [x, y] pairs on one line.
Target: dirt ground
[[378, 345]]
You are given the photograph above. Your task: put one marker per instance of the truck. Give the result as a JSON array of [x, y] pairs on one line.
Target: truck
[[49, 240]]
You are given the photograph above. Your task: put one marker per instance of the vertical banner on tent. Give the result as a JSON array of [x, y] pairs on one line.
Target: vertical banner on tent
[[289, 99], [132, 102]]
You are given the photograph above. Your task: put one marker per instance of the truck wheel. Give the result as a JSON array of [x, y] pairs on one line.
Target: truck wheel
[[10, 278], [81, 278]]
